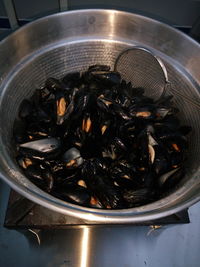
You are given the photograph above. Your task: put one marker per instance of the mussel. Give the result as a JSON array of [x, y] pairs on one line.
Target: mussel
[[74, 193], [94, 139], [42, 148], [72, 158]]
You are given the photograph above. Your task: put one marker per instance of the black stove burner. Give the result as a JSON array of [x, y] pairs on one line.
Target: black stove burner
[[24, 214]]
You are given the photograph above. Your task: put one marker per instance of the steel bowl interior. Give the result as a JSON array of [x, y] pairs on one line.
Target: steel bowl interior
[[69, 41]]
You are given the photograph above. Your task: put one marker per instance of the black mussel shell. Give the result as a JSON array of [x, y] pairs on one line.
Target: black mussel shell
[[138, 197], [94, 139], [98, 68], [75, 194], [106, 192], [42, 148], [54, 84]]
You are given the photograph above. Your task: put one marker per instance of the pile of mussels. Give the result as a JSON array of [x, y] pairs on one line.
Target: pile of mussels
[[93, 140]]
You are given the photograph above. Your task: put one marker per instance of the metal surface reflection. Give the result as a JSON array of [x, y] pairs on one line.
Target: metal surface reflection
[[112, 19], [84, 259]]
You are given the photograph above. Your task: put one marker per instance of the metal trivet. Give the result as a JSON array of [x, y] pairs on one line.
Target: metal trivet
[[24, 214]]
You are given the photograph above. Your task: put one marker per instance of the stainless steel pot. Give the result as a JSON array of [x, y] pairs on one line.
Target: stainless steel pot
[[69, 41]]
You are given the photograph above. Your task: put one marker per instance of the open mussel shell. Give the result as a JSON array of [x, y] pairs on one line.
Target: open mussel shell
[[40, 148], [72, 158]]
